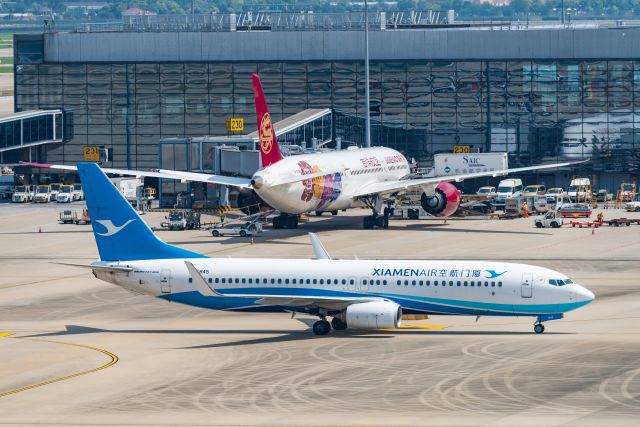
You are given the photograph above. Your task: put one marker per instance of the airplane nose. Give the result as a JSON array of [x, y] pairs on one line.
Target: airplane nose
[[257, 182], [585, 294]]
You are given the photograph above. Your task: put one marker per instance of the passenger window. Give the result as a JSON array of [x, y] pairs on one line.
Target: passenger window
[[493, 284], [399, 282], [217, 280], [293, 281], [435, 283], [465, 283], [237, 280], [459, 283], [406, 283], [286, 281], [499, 283], [322, 281], [384, 283], [344, 281], [279, 281], [420, 283], [210, 280], [413, 283], [378, 282], [250, 281], [264, 281], [486, 284], [309, 281], [244, 280], [224, 280], [273, 281], [190, 280], [315, 281], [351, 282], [473, 283], [428, 283]]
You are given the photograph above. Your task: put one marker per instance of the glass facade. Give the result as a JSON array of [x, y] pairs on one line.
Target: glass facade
[[535, 110]]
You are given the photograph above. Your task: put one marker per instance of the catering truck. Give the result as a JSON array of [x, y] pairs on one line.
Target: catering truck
[[455, 164]]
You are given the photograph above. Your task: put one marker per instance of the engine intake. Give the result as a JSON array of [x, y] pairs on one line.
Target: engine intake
[[444, 202], [374, 315]]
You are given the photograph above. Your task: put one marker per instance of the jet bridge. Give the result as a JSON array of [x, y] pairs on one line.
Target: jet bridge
[[28, 129]]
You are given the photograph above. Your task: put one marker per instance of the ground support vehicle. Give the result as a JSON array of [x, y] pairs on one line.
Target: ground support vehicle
[[23, 194], [617, 222], [66, 194], [576, 210], [43, 194], [633, 205], [68, 216], [182, 220], [248, 229], [589, 224], [551, 219]]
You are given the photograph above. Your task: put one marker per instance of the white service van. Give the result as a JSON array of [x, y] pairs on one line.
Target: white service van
[[23, 194], [508, 188], [579, 190]]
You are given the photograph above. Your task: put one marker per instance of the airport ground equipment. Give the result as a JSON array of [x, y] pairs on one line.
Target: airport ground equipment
[[580, 192], [78, 194], [486, 191], [69, 216], [43, 194], [617, 222], [247, 229], [178, 220], [22, 194], [66, 194], [633, 205], [575, 210], [551, 219], [588, 224]]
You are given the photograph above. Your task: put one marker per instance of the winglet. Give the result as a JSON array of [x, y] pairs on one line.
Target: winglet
[[269, 149], [201, 284], [319, 250]]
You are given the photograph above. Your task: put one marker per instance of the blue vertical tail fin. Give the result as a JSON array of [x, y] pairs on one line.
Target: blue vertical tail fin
[[120, 233]]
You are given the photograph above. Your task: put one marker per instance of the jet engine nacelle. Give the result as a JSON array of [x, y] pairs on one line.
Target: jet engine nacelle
[[444, 202], [373, 315]]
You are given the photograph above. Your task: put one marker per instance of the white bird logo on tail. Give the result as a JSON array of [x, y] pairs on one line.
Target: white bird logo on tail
[[111, 228]]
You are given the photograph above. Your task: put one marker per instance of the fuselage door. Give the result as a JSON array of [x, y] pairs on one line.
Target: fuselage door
[[165, 281], [527, 285]]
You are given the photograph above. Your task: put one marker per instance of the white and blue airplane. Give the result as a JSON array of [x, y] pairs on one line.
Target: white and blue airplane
[[359, 294]]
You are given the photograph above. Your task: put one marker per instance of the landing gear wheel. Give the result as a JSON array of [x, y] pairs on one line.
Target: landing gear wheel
[[334, 213], [277, 223], [538, 328], [292, 222], [338, 324], [321, 327], [319, 213], [368, 222]]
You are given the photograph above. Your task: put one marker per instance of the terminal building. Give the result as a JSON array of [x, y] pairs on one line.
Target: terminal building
[[542, 94]]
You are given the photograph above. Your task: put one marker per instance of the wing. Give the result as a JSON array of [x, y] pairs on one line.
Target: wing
[[388, 187], [331, 303], [163, 173]]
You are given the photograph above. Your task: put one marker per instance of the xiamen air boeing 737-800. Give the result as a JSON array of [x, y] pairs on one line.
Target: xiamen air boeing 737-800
[[359, 294], [331, 181]]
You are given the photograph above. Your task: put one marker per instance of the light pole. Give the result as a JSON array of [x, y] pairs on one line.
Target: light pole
[[366, 76], [562, 12]]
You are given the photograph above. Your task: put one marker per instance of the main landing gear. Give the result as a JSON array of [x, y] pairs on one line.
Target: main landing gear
[[376, 220], [323, 327], [285, 221]]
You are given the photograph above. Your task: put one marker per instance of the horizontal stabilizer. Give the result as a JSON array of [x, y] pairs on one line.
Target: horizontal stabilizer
[[97, 267]]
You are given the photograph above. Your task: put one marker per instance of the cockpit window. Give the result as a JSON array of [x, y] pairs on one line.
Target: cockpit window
[[568, 281], [559, 282], [553, 282]]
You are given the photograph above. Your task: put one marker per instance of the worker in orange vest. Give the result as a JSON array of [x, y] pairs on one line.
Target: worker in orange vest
[[525, 210]]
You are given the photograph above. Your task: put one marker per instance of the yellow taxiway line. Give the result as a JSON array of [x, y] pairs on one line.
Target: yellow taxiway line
[[423, 326], [113, 360]]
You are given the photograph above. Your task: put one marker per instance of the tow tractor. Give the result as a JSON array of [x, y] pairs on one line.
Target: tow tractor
[[551, 219], [182, 220]]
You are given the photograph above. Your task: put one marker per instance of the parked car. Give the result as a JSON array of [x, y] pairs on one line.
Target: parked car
[[486, 191], [43, 194], [602, 195], [634, 205], [534, 190], [575, 210], [551, 219]]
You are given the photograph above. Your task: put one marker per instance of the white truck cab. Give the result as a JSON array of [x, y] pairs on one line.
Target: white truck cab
[[43, 194], [66, 194], [78, 194], [23, 194], [551, 219], [508, 188]]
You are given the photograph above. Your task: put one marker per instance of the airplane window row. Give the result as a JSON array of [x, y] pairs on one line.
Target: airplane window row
[[361, 171], [472, 283], [281, 281], [558, 282]]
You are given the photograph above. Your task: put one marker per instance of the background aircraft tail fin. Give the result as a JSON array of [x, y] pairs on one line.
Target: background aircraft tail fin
[[120, 233], [269, 149]]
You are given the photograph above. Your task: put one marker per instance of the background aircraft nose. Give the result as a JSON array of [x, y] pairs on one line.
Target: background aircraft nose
[[257, 181]]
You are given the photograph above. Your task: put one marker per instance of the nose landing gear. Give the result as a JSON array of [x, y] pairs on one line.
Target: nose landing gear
[[538, 328]]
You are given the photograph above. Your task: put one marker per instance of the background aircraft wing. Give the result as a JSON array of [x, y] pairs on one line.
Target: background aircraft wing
[[389, 187], [166, 174]]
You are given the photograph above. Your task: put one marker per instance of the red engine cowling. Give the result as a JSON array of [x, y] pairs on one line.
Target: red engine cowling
[[444, 202]]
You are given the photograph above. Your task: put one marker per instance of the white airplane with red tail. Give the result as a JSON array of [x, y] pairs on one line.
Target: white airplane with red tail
[[330, 181]]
